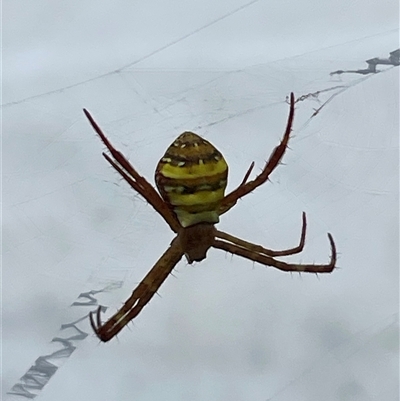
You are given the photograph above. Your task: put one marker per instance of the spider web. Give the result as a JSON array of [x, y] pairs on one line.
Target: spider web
[[224, 329]]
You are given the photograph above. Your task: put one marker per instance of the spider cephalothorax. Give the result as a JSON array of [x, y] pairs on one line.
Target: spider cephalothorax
[[191, 178]]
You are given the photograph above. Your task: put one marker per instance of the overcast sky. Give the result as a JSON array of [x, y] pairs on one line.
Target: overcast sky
[[225, 328]]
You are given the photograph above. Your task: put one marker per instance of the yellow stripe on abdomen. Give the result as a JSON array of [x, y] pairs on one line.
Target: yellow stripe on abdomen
[[182, 169], [191, 178]]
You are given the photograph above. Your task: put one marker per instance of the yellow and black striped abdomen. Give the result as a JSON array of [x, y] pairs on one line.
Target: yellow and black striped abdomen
[[192, 177]]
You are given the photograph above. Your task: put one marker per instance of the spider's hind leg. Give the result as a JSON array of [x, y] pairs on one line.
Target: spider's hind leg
[[274, 160]]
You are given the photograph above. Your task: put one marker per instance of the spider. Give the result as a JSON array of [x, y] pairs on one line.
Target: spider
[[191, 179]]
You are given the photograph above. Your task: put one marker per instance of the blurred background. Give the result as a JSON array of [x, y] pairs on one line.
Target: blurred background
[[225, 328]]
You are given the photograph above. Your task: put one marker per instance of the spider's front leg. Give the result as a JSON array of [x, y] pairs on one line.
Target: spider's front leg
[[141, 295], [260, 249], [250, 253]]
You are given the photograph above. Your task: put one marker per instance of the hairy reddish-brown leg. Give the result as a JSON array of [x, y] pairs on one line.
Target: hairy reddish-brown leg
[[134, 179], [140, 296], [245, 187], [261, 250], [269, 261]]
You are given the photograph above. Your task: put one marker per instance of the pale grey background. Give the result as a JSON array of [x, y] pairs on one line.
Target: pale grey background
[[224, 329]]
